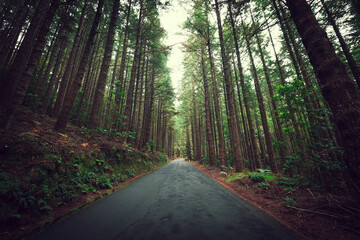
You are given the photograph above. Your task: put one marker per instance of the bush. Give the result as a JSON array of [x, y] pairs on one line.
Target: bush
[[257, 177], [287, 181], [237, 176]]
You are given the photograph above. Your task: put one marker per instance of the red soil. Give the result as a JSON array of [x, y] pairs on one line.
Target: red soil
[[317, 215]]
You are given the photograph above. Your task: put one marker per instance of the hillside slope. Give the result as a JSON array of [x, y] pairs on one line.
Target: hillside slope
[[45, 174]]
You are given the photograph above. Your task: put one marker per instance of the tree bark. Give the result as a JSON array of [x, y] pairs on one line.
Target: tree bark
[[130, 92], [64, 116], [72, 65], [209, 136], [282, 149], [95, 115], [332, 76], [217, 108], [239, 165], [54, 75], [197, 144], [268, 140], [120, 81], [254, 144], [41, 42], [352, 64], [15, 91], [148, 109]]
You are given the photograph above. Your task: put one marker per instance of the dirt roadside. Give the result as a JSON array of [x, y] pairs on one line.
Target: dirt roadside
[[317, 215]]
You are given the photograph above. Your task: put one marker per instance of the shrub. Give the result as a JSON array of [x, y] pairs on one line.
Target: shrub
[[257, 177]]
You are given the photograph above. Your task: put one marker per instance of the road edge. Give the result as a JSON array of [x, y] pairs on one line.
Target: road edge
[[237, 194], [90, 200]]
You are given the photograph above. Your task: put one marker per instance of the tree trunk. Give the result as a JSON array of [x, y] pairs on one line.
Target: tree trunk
[[120, 81], [15, 91], [55, 72], [282, 149], [332, 76], [197, 144], [100, 88], [41, 42], [64, 116], [209, 136], [112, 85], [239, 165], [148, 109], [130, 93], [248, 150], [72, 65], [10, 36], [268, 140], [222, 154], [244, 93], [352, 64]]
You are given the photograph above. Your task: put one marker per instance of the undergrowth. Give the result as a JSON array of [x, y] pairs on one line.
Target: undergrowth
[[34, 179]]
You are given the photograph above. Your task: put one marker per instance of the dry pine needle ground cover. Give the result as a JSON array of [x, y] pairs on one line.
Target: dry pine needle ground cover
[[311, 213]]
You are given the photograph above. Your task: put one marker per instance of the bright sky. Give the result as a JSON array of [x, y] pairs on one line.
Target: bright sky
[[172, 20]]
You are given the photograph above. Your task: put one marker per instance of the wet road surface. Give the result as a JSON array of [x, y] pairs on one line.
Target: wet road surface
[[175, 202]]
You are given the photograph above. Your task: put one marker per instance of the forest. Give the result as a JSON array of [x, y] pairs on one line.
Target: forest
[[269, 87]]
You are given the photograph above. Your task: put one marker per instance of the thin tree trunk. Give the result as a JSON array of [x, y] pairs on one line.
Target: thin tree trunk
[[209, 136], [41, 42], [112, 85], [352, 64], [54, 75], [248, 149], [148, 109], [15, 91], [100, 87], [222, 154], [268, 140], [244, 93], [197, 145], [72, 65], [239, 165], [10, 35], [64, 116], [130, 93], [282, 148], [120, 81]]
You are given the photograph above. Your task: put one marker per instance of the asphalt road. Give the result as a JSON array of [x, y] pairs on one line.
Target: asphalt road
[[175, 202]]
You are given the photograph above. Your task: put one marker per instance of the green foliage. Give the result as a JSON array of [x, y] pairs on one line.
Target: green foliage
[[162, 159], [59, 179], [263, 185], [150, 146], [42, 204], [237, 176], [106, 183], [9, 185], [289, 189], [287, 181], [205, 160], [257, 177], [130, 172], [31, 100], [288, 201], [264, 171]]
